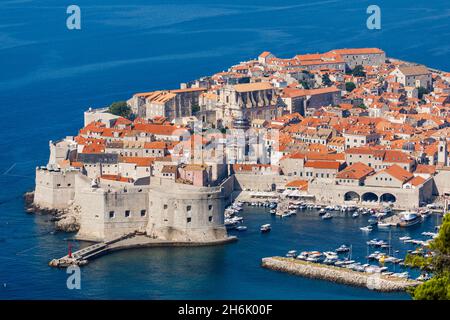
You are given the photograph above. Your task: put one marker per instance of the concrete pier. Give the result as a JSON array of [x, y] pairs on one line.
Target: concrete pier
[[371, 281], [130, 241]]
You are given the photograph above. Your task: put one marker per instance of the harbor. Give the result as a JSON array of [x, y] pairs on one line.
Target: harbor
[[377, 248]]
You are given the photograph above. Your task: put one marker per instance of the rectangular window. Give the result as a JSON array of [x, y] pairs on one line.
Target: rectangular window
[[188, 208], [189, 220], [111, 214], [143, 213], [210, 207], [127, 213], [210, 218]]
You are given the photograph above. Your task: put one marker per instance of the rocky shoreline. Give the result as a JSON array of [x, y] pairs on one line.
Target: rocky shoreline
[[65, 220], [338, 275]]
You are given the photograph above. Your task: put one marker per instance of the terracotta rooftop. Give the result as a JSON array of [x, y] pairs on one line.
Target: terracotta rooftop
[[356, 171]]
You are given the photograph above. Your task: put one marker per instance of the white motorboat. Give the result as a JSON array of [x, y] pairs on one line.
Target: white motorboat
[[266, 228], [383, 225], [330, 255], [286, 214], [291, 253], [241, 228], [366, 229], [327, 216], [355, 215], [301, 256], [423, 277], [342, 248], [405, 238]]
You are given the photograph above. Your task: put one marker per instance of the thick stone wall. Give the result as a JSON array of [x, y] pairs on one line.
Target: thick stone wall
[[442, 182], [185, 213], [259, 182], [107, 215], [54, 189], [334, 194]]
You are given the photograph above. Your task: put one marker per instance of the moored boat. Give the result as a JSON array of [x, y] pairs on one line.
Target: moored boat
[[409, 218], [366, 229], [266, 228], [291, 253], [343, 248], [327, 216]]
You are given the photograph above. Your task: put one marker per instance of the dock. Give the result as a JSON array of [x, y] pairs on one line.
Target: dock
[[129, 241], [372, 281], [393, 220]]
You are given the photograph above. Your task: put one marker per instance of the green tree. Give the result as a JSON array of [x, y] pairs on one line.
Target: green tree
[[350, 86], [120, 108], [358, 71], [305, 85], [422, 91], [195, 108], [326, 80], [438, 287], [362, 106]]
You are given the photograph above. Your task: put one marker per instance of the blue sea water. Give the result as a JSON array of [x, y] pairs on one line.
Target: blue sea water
[[49, 75]]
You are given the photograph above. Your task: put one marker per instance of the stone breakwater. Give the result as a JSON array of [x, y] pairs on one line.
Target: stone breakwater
[[375, 281]]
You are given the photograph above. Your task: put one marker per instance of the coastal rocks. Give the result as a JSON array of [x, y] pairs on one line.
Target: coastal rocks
[[28, 198], [65, 220], [68, 221], [66, 262], [31, 207], [337, 275]]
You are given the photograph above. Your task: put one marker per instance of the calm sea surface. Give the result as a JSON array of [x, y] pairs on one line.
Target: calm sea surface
[[49, 75]]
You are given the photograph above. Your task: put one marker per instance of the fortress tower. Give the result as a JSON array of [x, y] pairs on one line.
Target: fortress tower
[[442, 152]]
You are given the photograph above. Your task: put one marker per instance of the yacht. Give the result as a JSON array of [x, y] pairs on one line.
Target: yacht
[[383, 225], [342, 249], [330, 254], [425, 212], [266, 228], [405, 238], [409, 218], [322, 211], [366, 229], [327, 216], [286, 214], [241, 228], [355, 215], [314, 256], [302, 256], [291, 254], [423, 277], [273, 205]]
